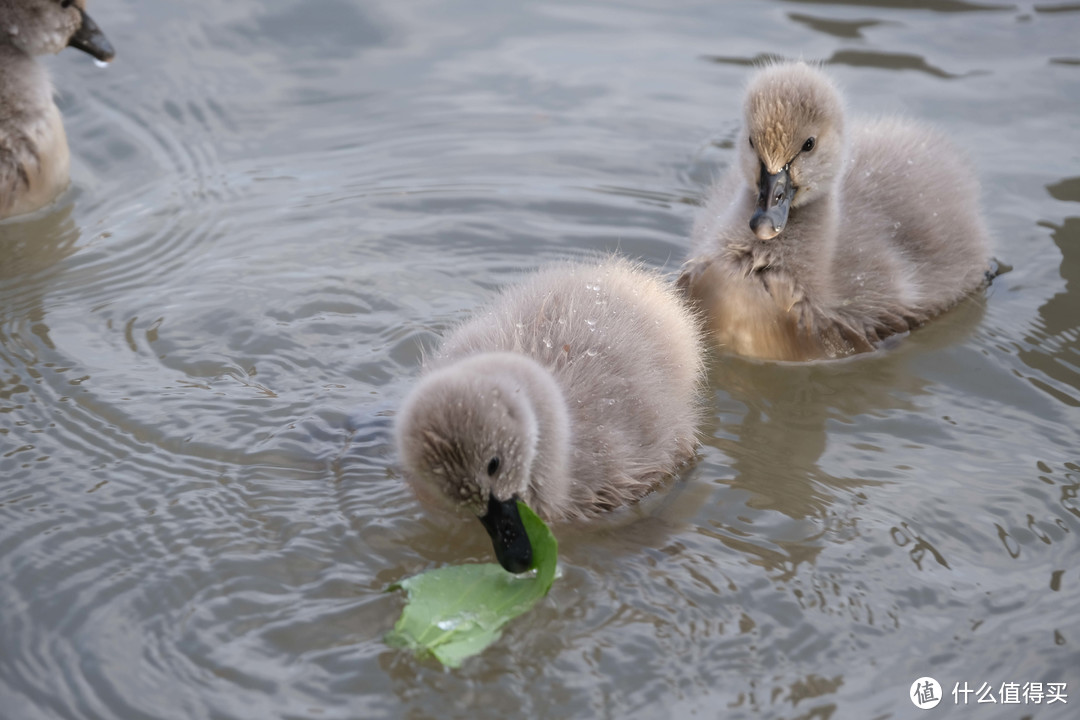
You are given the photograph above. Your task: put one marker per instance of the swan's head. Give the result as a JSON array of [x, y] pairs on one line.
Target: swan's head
[[791, 151], [467, 435], [41, 27]]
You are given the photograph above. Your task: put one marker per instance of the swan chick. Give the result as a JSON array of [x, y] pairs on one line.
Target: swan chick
[[34, 158], [575, 391], [826, 236]]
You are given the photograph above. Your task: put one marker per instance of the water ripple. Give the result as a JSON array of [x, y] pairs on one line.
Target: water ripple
[[275, 212]]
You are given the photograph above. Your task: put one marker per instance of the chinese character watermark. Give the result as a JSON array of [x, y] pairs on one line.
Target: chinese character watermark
[[926, 693]]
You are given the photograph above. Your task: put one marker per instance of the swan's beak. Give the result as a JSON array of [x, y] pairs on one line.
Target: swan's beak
[[774, 200], [90, 39], [503, 523]]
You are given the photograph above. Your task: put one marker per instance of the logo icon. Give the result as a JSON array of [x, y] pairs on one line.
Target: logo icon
[[925, 693]]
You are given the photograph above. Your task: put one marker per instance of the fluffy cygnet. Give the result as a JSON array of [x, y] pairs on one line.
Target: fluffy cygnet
[[33, 147], [827, 236], [575, 391]]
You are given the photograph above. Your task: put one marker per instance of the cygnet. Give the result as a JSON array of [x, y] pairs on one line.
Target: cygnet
[[575, 391], [826, 236], [34, 158]]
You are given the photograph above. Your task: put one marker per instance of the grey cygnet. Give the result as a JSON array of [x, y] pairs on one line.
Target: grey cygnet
[[575, 391], [826, 236], [34, 159]]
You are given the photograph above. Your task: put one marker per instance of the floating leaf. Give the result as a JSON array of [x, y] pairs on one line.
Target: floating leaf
[[455, 612]]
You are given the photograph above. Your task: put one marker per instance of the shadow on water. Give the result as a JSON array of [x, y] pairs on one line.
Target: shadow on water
[[785, 428], [858, 59], [941, 6], [850, 29], [34, 244], [1056, 334], [31, 251], [893, 61], [777, 420]]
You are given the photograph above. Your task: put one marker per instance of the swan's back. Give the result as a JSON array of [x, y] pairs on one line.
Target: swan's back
[[910, 210], [627, 354]]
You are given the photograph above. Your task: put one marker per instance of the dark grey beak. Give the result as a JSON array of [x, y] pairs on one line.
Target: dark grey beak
[[774, 201], [90, 39], [503, 523]]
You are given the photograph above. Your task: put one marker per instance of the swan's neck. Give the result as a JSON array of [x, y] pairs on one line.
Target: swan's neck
[[34, 158], [802, 253], [808, 244]]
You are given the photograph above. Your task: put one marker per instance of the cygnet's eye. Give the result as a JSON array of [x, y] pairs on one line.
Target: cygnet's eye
[[493, 466], [808, 146], [751, 142]]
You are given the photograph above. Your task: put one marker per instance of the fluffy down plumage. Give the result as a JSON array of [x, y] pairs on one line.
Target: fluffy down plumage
[[34, 159], [575, 391], [825, 238]]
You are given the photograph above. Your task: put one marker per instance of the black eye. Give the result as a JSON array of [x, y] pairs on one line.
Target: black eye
[[751, 142], [808, 145], [493, 466], [66, 3]]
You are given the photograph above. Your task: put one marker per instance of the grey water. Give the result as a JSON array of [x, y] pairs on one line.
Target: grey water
[[277, 204]]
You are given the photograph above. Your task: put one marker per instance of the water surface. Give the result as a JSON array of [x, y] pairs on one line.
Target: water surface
[[276, 204]]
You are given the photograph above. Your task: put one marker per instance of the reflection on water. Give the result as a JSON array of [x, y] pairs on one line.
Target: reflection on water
[[277, 205], [1054, 338], [35, 244], [852, 58]]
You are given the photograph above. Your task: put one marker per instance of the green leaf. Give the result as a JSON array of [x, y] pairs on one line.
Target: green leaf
[[455, 612]]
